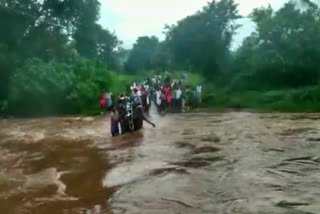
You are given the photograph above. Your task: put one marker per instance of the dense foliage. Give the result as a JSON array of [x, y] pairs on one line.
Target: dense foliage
[[200, 42], [142, 55], [203, 40], [56, 58], [283, 53]]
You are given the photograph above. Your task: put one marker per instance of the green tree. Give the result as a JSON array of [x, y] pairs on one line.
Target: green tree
[[106, 47], [122, 56], [203, 40], [49, 34], [14, 25], [41, 88], [163, 57], [7, 65], [285, 50], [142, 55]]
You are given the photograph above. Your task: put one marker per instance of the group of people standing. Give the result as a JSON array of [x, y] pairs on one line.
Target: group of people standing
[[129, 112], [168, 98], [174, 97], [106, 101]]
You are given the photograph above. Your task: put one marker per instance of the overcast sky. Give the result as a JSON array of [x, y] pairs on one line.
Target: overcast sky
[[130, 19]]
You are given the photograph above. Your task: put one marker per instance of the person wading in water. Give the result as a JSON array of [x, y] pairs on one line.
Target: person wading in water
[[139, 115]]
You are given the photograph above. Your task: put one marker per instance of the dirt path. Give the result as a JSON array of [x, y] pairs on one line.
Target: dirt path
[[237, 163]]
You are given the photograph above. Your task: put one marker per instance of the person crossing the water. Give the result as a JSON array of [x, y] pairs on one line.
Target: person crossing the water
[[136, 97], [115, 122], [139, 115], [122, 117], [124, 109]]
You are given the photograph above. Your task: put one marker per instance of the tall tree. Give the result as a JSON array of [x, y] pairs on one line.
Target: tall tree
[[287, 48], [163, 59], [50, 30], [142, 55], [203, 39], [85, 34], [14, 25], [106, 43]]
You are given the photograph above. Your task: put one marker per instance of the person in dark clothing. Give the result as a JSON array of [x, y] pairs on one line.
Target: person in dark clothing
[[164, 102], [145, 101], [121, 109], [136, 98], [114, 119], [139, 115]]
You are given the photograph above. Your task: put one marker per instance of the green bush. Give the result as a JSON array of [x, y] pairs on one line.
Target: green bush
[[297, 100], [41, 88], [121, 83], [91, 80]]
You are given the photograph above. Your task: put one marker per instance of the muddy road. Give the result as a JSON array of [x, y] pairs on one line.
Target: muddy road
[[233, 163]]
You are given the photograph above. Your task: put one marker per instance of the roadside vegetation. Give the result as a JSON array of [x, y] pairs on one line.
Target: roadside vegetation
[[56, 59]]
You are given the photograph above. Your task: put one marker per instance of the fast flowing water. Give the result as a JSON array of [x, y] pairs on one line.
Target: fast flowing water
[[234, 162]]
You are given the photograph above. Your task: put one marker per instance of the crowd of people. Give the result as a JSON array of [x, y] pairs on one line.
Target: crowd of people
[[172, 96], [129, 111], [106, 101]]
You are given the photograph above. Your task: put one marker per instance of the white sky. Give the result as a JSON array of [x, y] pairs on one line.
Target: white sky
[[130, 19]]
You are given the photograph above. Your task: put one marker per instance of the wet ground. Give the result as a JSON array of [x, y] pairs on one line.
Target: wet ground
[[235, 162]]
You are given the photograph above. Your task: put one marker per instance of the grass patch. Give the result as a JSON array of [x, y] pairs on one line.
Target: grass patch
[[294, 100]]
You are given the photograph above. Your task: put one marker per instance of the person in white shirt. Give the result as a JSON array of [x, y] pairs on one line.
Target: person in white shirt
[[179, 99], [178, 93], [158, 98]]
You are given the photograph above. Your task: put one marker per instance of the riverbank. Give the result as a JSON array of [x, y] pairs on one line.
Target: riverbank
[[290, 100]]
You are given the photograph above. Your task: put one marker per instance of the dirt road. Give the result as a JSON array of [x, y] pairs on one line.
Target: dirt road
[[228, 163]]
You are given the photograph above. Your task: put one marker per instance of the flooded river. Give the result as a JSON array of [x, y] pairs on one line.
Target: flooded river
[[228, 163]]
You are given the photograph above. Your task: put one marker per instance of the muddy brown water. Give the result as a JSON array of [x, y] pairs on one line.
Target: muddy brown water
[[235, 162]]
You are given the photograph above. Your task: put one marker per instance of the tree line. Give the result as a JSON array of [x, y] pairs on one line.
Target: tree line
[[282, 52], [55, 57]]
